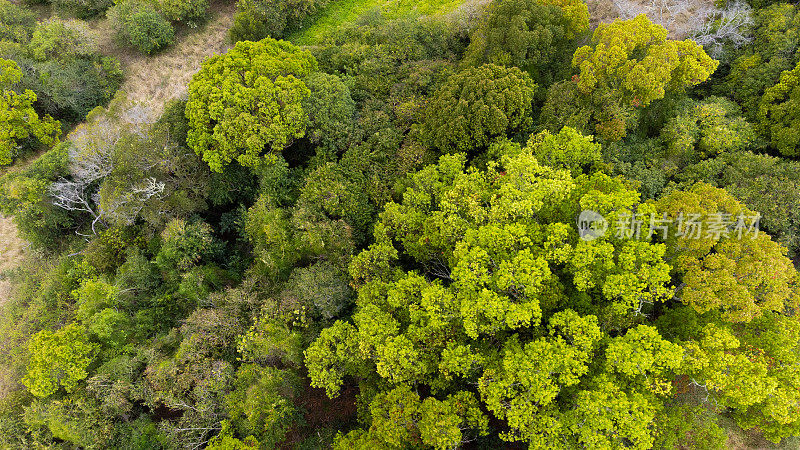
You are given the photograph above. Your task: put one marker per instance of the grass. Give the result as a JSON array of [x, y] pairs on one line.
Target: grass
[[12, 249], [339, 12], [155, 79]]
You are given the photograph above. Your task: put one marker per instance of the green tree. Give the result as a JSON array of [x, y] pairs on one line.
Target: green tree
[[261, 403], [479, 104], [331, 111], [527, 33], [192, 12], [774, 50], [706, 129], [569, 149], [779, 113], [767, 184], [478, 285], [257, 19], [16, 23], [631, 64], [140, 25], [18, 119], [62, 38], [58, 359], [741, 274], [235, 116]]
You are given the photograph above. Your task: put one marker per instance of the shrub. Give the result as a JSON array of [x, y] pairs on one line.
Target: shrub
[[84, 9], [69, 88], [59, 38], [16, 24], [141, 26], [190, 11], [257, 19]]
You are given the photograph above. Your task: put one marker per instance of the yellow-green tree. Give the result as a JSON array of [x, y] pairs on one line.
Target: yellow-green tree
[[18, 119], [248, 101], [630, 64], [58, 359], [779, 113]]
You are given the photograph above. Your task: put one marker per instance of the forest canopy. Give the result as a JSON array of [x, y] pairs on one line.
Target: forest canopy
[[392, 225]]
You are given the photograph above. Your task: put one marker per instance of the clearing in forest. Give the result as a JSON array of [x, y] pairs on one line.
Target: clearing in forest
[[339, 12]]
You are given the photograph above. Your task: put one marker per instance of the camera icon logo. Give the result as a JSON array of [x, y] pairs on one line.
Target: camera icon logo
[[591, 225]]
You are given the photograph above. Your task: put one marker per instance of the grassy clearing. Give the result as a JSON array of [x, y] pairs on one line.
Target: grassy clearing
[[340, 12], [153, 80]]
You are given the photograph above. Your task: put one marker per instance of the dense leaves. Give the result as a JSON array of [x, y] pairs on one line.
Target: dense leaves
[[247, 101]]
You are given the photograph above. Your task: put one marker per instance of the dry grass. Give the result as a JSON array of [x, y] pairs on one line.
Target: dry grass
[[12, 248], [153, 80]]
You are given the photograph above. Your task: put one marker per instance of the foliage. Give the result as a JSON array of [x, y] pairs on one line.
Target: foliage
[[388, 218], [778, 113], [16, 23], [260, 405], [331, 111], [192, 12], [568, 149], [764, 183], [58, 359], [62, 38], [529, 34], [631, 65], [478, 104], [19, 120], [140, 25], [706, 129], [257, 19], [84, 9], [224, 127]]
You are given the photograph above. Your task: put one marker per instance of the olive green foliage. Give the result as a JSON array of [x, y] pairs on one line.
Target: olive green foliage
[[191, 12], [759, 66], [16, 23], [140, 25], [764, 183], [256, 19], [18, 119], [779, 113], [331, 111], [83, 9], [260, 405], [62, 66], [477, 105], [706, 129], [527, 33], [62, 38], [322, 287], [224, 127], [25, 195]]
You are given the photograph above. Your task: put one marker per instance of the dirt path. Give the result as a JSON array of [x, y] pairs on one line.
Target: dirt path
[[12, 248]]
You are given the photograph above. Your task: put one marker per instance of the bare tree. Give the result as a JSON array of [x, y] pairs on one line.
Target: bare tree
[[91, 158], [729, 25]]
